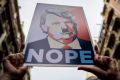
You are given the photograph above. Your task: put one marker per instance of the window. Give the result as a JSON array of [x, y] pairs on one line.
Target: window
[[116, 26], [110, 17], [111, 41], [107, 53], [117, 52]]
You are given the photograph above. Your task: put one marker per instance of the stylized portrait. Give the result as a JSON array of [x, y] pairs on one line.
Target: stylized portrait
[[61, 30], [61, 34]]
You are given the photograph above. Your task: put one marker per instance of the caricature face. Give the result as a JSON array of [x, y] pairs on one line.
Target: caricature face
[[60, 29]]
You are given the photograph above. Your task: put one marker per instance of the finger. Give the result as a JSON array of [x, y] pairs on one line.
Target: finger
[[19, 59], [102, 62], [113, 65], [12, 57], [21, 56], [98, 60], [106, 59], [93, 69], [102, 59], [14, 60]]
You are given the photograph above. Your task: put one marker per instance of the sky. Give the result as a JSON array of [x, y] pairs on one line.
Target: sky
[[92, 10]]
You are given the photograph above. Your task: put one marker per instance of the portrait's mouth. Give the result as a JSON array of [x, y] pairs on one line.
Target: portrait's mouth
[[67, 40], [67, 36], [67, 33]]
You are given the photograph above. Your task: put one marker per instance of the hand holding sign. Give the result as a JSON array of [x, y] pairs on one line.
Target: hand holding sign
[[13, 67], [105, 68]]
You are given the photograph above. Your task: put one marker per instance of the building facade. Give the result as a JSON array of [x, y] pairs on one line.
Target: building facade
[[11, 34], [109, 39]]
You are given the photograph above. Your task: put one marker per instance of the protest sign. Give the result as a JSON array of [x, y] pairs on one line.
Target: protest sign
[[58, 36]]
